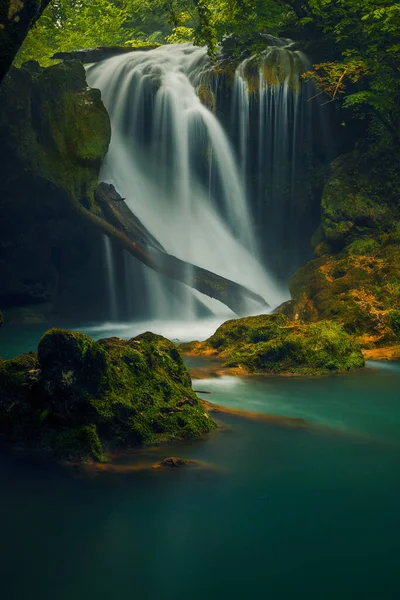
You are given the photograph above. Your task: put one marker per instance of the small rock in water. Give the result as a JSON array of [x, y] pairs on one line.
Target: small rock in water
[[173, 462]]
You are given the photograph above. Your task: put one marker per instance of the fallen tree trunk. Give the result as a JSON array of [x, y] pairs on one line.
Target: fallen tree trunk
[[121, 225]]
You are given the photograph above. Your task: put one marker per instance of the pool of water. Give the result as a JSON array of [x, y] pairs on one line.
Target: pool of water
[[287, 512]]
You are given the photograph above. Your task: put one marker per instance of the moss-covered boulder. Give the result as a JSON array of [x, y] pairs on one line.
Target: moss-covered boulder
[[76, 398], [358, 288], [355, 279], [274, 344], [54, 134]]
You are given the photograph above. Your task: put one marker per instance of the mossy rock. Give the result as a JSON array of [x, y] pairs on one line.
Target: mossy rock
[[359, 288], [361, 198], [355, 278], [274, 344], [76, 398], [54, 134], [54, 125]]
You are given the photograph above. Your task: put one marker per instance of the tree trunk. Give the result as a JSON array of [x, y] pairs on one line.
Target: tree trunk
[[121, 225], [17, 17]]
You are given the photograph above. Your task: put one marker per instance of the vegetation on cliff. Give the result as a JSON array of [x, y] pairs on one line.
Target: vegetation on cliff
[[355, 279], [76, 398], [274, 344]]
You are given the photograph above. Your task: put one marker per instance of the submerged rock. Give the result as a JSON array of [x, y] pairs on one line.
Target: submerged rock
[[75, 398], [274, 344]]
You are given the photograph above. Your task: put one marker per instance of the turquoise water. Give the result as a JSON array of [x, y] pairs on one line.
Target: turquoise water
[[288, 513]]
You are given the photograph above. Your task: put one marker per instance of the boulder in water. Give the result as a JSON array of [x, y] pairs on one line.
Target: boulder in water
[[274, 344], [76, 398]]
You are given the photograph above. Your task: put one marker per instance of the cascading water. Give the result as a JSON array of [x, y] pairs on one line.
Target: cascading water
[[273, 122], [172, 159], [165, 143], [111, 281]]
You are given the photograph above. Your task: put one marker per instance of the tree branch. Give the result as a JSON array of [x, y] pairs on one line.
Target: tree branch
[[131, 235]]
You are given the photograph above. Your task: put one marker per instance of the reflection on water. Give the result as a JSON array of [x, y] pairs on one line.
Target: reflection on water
[[365, 402]]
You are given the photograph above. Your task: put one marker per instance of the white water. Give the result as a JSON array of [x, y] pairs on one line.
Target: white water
[[163, 141], [269, 88], [173, 329], [111, 280]]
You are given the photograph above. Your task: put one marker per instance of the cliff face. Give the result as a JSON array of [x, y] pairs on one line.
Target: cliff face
[[54, 134], [355, 278]]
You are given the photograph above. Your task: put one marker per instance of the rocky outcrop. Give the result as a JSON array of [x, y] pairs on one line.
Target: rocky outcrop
[[355, 278], [76, 399], [274, 344], [54, 134], [358, 288], [360, 201]]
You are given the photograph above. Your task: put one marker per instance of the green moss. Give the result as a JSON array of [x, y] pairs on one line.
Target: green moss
[[394, 320], [274, 344], [89, 395], [363, 246], [54, 134], [358, 288], [80, 444], [361, 197], [56, 126]]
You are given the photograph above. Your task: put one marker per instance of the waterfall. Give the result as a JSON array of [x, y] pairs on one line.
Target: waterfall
[[111, 280], [188, 176], [270, 113], [173, 162]]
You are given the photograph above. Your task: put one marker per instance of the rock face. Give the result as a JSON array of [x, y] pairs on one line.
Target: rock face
[[274, 344], [54, 134], [356, 279], [75, 398]]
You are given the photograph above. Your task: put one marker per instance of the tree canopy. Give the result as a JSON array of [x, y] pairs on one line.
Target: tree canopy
[[359, 68]]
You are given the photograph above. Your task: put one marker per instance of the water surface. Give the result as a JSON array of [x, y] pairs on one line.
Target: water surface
[[289, 513]]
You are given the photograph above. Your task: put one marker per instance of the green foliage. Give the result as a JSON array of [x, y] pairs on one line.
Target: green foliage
[[181, 35], [73, 24], [366, 71]]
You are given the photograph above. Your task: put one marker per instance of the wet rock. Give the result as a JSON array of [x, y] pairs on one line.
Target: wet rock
[[75, 398], [274, 344], [173, 462]]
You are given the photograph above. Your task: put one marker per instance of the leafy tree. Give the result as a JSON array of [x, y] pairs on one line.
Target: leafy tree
[[366, 74], [16, 19]]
